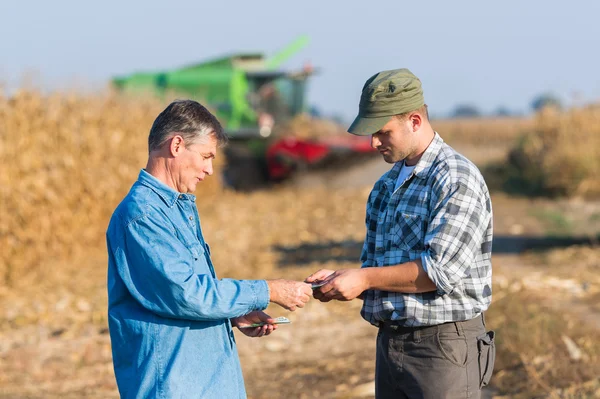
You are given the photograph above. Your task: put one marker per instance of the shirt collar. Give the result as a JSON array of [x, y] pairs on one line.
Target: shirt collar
[[429, 156], [168, 195], [421, 168]]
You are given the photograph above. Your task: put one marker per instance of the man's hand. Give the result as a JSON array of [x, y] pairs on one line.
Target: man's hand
[[343, 285], [289, 294], [319, 275], [255, 317]]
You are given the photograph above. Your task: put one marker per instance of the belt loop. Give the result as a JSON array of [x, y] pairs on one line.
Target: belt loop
[[417, 336], [483, 319]]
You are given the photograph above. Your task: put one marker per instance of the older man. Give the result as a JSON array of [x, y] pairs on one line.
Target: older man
[[426, 275], [170, 318]]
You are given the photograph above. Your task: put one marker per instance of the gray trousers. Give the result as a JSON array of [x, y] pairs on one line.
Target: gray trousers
[[451, 360]]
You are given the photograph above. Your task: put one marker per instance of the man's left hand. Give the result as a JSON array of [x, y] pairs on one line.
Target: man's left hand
[[343, 285], [255, 317]]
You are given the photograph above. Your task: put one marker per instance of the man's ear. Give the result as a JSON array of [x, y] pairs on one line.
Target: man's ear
[[176, 146], [416, 121]]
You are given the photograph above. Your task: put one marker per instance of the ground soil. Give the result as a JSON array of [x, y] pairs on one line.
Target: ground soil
[[328, 350]]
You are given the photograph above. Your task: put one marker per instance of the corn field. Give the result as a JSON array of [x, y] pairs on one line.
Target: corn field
[[67, 160]]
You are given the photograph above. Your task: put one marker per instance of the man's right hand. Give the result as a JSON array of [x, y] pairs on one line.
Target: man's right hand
[[289, 294], [319, 275]]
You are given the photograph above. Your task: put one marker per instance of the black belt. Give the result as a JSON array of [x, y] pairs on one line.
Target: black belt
[[397, 327]]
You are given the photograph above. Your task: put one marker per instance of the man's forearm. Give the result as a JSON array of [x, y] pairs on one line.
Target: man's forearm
[[407, 277]]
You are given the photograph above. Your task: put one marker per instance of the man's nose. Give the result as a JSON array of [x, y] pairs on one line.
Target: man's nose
[[375, 141], [209, 168]]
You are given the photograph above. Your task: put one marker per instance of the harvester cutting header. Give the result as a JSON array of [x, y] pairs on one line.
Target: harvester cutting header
[[260, 107]]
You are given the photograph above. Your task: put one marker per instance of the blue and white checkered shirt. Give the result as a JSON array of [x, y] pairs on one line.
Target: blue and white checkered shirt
[[442, 214]]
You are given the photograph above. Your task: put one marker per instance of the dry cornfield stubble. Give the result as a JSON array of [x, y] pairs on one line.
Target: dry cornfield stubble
[[483, 131], [562, 153], [555, 153], [67, 160]]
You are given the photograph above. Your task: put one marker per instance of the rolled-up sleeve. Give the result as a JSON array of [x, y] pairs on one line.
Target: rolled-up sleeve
[[157, 269], [454, 235]]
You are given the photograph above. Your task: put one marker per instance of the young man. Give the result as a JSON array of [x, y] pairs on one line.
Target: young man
[[426, 261], [170, 318]]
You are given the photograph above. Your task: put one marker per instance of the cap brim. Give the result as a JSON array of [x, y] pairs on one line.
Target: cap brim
[[363, 126]]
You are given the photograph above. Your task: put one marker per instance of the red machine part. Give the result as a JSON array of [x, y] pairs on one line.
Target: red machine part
[[287, 154]]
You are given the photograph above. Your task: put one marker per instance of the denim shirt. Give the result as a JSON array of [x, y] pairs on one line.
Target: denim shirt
[[168, 313]]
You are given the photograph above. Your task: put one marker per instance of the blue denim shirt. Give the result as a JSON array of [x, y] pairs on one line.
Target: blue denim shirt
[[168, 313]]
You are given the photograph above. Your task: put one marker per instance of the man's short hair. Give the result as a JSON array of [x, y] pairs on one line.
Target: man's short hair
[[421, 110], [189, 119]]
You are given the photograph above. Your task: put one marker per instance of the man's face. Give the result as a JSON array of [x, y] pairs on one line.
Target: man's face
[[195, 163], [395, 141]]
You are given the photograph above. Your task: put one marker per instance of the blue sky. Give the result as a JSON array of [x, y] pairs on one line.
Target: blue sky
[[488, 54]]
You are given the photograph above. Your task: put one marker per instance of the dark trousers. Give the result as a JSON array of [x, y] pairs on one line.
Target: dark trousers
[[451, 360]]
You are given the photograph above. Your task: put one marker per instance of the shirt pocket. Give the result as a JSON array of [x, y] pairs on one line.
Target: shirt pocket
[[407, 231], [197, 252]]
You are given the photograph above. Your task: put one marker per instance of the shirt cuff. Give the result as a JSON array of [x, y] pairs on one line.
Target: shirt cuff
[[439, 278], [262, 296]]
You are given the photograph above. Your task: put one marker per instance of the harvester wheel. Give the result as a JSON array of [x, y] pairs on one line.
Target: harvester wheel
[[243, 170]]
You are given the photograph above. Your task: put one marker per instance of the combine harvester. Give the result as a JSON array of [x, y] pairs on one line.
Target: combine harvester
[[263, 111]]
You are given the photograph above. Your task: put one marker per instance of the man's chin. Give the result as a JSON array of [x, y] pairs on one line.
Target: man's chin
[[389, 159], [194, 185]]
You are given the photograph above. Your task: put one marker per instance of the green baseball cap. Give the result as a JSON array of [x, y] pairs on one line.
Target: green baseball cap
[[384, 95]]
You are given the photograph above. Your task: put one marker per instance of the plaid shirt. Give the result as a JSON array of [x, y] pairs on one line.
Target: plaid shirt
[[442, 214]]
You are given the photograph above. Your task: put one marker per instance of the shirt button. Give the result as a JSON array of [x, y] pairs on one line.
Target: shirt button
[[191, 218]]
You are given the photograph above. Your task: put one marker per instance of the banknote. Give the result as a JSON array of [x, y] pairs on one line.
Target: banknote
[[278, 320]]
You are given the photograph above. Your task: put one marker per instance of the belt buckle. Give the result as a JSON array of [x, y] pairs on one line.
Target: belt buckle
[[389, 324]]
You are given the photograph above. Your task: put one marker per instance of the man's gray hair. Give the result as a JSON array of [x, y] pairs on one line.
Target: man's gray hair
[[189, 119]]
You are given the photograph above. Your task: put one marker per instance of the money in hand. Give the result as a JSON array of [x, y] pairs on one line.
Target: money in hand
[[278, 320]]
